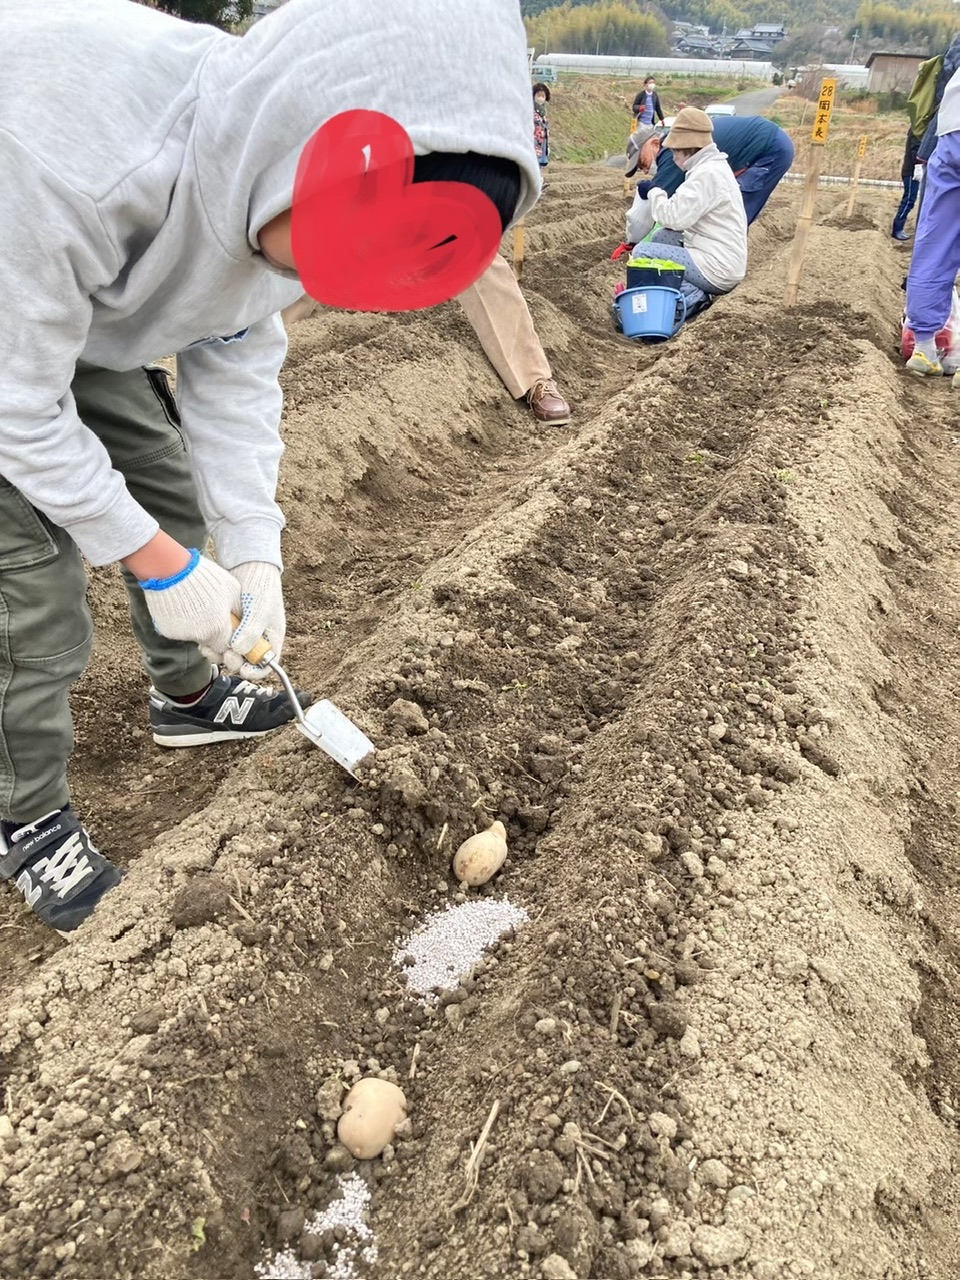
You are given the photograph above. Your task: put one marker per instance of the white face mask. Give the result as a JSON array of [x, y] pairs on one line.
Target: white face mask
[[650, 88], [680, 161]]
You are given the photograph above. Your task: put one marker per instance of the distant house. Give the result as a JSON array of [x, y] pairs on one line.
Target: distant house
[[697, 47], [689, 31], [766, 32], [262, 7], [893, 71], [771, 32], [751, 50]]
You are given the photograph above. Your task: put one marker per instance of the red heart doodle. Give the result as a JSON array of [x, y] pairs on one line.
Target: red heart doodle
[[365, 237]]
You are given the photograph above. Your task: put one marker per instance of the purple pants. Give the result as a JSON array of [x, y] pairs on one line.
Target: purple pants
[[936, 250]]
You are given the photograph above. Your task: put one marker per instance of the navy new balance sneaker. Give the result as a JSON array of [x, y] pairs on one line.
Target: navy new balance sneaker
[[231, 708], [58, 869]]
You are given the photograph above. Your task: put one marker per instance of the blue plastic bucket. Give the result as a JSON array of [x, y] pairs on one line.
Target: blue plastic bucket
[[651, 312]]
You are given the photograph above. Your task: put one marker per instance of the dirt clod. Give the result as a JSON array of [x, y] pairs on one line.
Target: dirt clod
[[668, 1019], [204, 899], [713, 1173], [290, 1225], [145, 1022], [541, 1175], [408, 716], [120, 1157], [718, 1246], [556, 1267]]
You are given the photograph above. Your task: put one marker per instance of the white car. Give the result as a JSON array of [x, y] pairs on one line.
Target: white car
[[721, 109]]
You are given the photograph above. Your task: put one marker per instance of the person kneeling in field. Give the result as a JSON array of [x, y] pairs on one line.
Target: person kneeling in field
[[758, 151], [703, 225], [150, 167]]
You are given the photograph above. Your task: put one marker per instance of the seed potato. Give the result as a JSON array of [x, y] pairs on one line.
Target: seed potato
[[481, 856], [372, 1110]]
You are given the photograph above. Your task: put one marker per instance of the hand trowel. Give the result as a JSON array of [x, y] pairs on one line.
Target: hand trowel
[[322, 723]]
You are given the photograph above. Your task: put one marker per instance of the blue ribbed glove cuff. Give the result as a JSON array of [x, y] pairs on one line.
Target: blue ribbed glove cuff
[[163, 584]]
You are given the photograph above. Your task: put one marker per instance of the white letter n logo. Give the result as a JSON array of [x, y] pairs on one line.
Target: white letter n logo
[[235, 709]]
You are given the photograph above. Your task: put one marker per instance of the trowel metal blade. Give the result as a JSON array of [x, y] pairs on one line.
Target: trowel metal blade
[[328, 728]]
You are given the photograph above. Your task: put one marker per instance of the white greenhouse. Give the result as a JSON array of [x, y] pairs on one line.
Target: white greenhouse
[[637, 68], [851, 75]]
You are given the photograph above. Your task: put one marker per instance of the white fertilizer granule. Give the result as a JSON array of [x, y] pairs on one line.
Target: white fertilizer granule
[[349, 1212], [451, 942], [284, 1266]]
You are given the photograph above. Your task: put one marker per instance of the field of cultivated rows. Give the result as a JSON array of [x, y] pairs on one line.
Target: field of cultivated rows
[[697, 653]]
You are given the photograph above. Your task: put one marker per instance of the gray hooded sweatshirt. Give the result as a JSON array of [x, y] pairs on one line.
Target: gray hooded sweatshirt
[[140, 156]]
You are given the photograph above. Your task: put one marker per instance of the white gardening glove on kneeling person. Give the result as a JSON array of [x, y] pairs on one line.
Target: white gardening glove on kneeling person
[[196, 604], [262, 617]]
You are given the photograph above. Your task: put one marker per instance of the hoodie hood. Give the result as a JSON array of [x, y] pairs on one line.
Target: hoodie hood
[[141, 155], [453, 73], [161, 147]]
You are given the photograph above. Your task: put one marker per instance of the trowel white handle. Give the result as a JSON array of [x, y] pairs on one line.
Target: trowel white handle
[[262, 655], [261, 652], [327, 727]]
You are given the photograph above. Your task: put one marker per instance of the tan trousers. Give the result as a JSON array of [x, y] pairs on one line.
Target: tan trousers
[[501, 319]]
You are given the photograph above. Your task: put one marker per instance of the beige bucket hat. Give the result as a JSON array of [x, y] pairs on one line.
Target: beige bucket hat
[[691, 130]]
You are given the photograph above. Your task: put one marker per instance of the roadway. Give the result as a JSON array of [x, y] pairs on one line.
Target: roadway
[[756, 102]]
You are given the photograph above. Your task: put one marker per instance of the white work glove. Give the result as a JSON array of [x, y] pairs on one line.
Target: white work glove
[[262, 616], [196, 604]]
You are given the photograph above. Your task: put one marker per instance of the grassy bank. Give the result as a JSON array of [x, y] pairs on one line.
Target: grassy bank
[[590, 115], [886, 133], [590, 118]]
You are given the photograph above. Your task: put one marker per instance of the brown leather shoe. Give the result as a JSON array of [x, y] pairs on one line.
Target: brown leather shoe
[[548, 404]]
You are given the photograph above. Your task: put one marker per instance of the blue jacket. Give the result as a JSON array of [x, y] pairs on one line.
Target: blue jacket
[[743, 139], [910, 155]]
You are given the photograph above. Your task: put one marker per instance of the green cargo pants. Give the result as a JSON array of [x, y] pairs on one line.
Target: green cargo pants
[[46, 631]]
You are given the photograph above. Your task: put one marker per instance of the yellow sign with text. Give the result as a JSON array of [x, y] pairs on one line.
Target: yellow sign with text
[[862, 149], [821, 121]]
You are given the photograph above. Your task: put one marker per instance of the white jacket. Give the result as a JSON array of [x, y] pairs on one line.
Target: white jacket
[[708, 209], [948, 116]]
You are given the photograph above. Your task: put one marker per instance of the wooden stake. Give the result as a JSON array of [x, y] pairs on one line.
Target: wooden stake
[[804, 221], [821, 127], [519, 248], [861, 152], [853, 187]]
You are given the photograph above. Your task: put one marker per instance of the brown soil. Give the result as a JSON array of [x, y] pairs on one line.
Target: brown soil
[[696, 653]]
